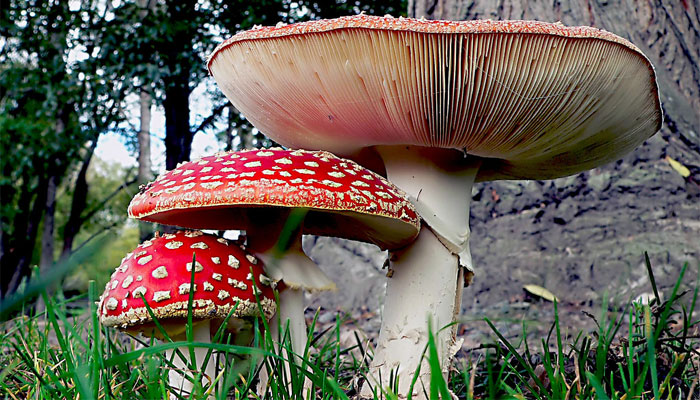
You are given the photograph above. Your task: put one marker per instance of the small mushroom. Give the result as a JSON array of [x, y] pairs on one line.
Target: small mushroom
[[165, 266], [257, 190], [442, 104]]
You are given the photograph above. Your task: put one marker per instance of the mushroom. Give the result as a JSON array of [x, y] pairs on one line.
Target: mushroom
[[443, 104], [159, 272], [257, 190]]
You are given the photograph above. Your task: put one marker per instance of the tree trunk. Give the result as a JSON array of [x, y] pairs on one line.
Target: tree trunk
[[144, 159], [78, 204], [47, 239], [16, 260]]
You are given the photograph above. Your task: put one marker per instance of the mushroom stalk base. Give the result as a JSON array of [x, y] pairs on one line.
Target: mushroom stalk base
[[425, 289], [288, 332], [181, 376]]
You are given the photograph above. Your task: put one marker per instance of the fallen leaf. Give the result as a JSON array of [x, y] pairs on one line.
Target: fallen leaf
[[680, 168], [539, 291]]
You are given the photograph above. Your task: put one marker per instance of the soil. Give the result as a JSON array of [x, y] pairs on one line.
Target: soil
[[582, 237]]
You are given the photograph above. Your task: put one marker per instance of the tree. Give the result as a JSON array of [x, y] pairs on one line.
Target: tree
[[53, 106]]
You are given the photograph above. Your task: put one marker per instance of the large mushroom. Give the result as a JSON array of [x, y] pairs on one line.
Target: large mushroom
[[256, 191], [443, 104], [227, 280]]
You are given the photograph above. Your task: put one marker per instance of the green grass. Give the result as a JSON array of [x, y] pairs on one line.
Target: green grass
[[644, 352]]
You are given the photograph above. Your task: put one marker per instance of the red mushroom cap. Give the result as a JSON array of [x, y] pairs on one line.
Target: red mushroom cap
[[160, 270], [224, 190], [531, 99]]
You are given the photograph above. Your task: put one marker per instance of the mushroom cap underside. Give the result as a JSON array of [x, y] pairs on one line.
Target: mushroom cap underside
[[238, 190], [533, 100], [159, 271]]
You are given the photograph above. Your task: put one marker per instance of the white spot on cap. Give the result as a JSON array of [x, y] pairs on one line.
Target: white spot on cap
[[252, 164], [223, 295], [268, 172], [169, 236], [222, 240], [139, 278], [296, 180], [252, 259], [197, 266], [233, 262], [360, 184], [216, 260], [305, 171], [312, 164], [170, 183], [205, 170], [228, 169], [139, 291], [211, 185], [247, 174], [187, 172], [127, 281], [145, 260], [145, 244], [173, 245], [160, 272], [216, 277], [185, 288], [368, 177], [199, 245], [203, 162], [189, 178], [263, 153], [189, 186], [336, 174], [249, 276], [285, 174], [265, 280], [140, 253], [331, 183], [208, 287], [124, 303], [114, 284], [237, 284], [192, 234], [283, 160], [112, 304], [161, 295]]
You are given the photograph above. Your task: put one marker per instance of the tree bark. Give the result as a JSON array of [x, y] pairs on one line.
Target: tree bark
[[20, 247], [47, 238], [144, 138], [78, 204]]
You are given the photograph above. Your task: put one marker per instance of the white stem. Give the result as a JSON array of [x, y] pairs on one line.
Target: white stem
[[179, 383], [290, 314], [299, 274], [427, 281]]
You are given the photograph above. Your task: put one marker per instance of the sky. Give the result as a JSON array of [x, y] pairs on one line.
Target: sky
[[111, 147]]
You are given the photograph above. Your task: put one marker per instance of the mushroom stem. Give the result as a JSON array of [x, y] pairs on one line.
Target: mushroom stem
[[178, 375], [299, 274], [427, 280]]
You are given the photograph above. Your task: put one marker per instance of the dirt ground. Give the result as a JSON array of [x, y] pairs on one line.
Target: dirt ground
[[581, 237]]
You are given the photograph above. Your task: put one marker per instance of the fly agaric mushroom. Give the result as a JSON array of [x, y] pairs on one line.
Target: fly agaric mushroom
[[443, 104], [255, 191], [226, 278]]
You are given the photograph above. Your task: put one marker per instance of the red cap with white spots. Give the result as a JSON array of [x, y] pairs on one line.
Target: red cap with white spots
[[531, 99], [160, 270], [223, 191]]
